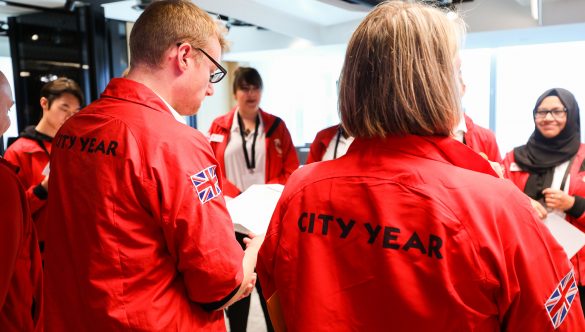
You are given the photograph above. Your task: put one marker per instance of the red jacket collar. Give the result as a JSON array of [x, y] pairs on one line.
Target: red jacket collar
[[437, 148], [468, 122], [135, 92]]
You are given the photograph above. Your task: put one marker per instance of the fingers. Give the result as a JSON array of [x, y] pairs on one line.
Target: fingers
[[495, 165], [497, 168], [550, 191], [250, 239], [553, 198], [255, 240], [540, 210], [250, 286]]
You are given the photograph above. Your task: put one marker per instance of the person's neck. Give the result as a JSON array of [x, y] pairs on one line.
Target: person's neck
[[46, 128], [156, 81], [249, 119], [248, 115]]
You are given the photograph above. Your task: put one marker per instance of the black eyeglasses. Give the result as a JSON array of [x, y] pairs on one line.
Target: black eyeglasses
[[557, 113], [219, 74]]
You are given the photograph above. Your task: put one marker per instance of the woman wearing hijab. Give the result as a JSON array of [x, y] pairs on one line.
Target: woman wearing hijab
[[550, 169]]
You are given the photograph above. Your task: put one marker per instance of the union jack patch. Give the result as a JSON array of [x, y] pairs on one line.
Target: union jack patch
[[559, 303], [206, 184]]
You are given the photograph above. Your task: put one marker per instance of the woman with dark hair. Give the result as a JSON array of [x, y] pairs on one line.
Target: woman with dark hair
[[410, 230], [550, 167], [252, 147]]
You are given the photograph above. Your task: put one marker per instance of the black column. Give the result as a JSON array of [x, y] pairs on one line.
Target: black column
[[55, 43]]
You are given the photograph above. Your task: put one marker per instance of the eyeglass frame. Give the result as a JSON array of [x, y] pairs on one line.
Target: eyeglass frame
[[541, 114], [221, 69]]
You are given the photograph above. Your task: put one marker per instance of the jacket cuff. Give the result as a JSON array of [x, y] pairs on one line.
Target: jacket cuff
[[578, 208], [216, 305], [42, 193]]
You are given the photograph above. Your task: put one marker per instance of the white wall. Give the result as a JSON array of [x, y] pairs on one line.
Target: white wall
[[503, 81], [215, 105], [301, 89]]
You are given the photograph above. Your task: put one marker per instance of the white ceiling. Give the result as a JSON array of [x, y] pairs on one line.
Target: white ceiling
[[302, 23], [314, 11], [304, 18]]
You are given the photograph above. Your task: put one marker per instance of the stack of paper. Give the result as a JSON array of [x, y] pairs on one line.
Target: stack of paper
[[567, 235], [252, 210]]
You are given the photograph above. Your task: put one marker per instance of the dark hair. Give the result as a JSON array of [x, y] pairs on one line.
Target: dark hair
[[247, 76], [60, 86]]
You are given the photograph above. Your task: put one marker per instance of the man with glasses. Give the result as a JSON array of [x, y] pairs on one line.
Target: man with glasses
[[141, 238]]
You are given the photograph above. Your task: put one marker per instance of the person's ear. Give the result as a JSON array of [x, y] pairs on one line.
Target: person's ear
[[44, 104], [183, 54]]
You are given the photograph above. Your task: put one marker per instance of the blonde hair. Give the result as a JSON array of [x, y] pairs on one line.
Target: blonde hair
[[163, 24], [399, 77]]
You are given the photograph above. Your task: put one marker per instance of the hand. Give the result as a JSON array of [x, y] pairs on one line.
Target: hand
[[558, 199], [250, 286], [254, 240], [495, 166], [45, 182], [540, 210]]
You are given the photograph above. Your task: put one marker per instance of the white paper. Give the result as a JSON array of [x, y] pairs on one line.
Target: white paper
[[252, 210], [567, 235]]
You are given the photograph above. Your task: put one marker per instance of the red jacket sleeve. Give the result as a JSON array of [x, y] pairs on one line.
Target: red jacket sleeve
[[34, 202], [316, 151], [530, 268], [268, 252], [492, 150], [577, 185], [197, 229], [281, 146], [10, 229], [229, 189]]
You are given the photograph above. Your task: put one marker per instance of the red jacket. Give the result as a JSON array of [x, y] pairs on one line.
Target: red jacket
[[21, 281], [482, 140], [31, 159], [406, 234], [140, 236], [281, 156], [320, 144], [576, 187]]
